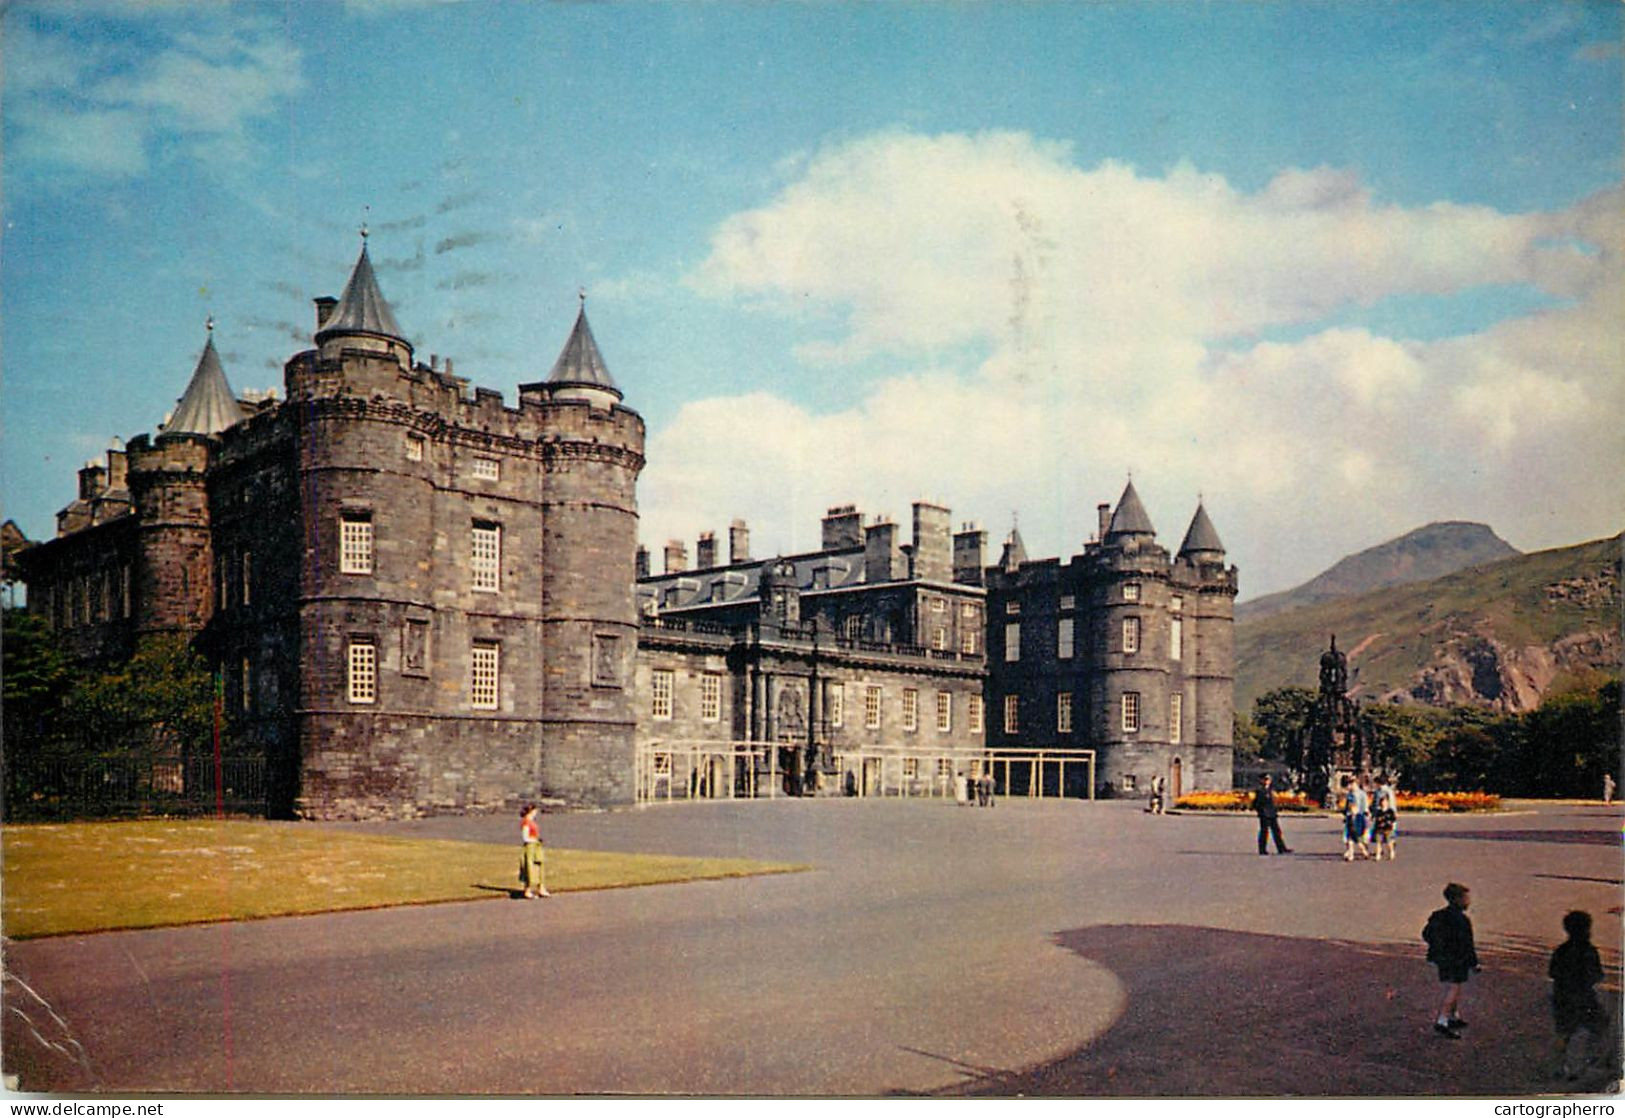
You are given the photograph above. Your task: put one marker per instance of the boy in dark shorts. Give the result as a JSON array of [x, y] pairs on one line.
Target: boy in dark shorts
[[1575, 971], [1449, 936]]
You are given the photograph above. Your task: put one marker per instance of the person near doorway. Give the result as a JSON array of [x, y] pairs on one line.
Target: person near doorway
[[1449, 936], [1268, 823], [1159, 790]]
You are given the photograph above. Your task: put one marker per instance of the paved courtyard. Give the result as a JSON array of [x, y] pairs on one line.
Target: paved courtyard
[[1036, 948]]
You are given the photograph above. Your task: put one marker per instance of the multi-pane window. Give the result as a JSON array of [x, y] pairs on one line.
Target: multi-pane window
[[968, 611], [938, 605], [871, 708], [973, 713], [414, 448], [837, 704], [1131, 635], [487, 556], [711, 697], [355, 545], [124, 592], [1012, 714], [945, 712], [1176, 704], [1176, 638], [1012, 641], [248, 574], [1063, 638], [911, 709], [911, 767], [363, 672], [1063, 713], [945, 767], [1131, 592], [484, 678], [1176, 603], [1012, 609], [1131, 712], [660, 686], [967, 641], [247, 684], [1066, 601], [488, 469], [939, 638]]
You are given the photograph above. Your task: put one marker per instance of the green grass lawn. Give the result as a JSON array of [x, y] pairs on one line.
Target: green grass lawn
[[89, 877]]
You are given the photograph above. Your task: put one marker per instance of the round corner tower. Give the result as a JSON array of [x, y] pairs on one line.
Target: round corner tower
[[592, 453]]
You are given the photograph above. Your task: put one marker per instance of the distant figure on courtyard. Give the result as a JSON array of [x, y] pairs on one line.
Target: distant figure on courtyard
[[1356, 818], [1607, 788], [1575, 971], [984, 790], [1268, 824], [530, 854], [1159, 788], [1449, 936], [1384, 816]]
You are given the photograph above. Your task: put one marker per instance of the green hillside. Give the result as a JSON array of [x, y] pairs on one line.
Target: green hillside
[[1393, 634]]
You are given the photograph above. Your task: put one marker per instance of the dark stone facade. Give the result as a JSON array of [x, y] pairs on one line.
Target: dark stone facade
[[854, 669], [1148, 670], [395, 680]]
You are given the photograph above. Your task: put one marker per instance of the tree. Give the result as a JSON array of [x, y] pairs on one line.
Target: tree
[[1245, 736], [1280, 717], [1571, 741], [160, 699], [37, 676]]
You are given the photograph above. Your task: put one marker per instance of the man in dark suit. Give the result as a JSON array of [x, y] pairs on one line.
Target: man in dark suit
[[1264, 805]]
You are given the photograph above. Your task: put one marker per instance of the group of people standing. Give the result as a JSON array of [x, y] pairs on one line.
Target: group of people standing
[[1370, 815]]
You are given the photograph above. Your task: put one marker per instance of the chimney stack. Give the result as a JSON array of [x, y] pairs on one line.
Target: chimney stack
[[933, 554], [843, 528], [705, 552], [642, 562], [1104, 512], [970, 555], [882, 560], [676, 557], [738, 542]]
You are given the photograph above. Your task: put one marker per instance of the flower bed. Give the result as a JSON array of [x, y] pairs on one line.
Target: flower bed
[[1239, 801], [1448, 801]]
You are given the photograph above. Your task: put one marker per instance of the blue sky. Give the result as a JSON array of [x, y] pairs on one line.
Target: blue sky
[[1340, 268]]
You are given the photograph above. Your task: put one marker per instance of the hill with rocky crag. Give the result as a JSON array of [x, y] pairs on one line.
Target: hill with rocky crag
[[1428, 552], [1500, 635]]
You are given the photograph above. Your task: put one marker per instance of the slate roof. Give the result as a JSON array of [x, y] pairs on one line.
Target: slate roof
[[1130, 519], [580, 362], [741, 582], [362, 308], [1201, 535], [208, 405]]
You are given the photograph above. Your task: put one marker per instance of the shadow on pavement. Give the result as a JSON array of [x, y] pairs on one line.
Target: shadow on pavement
[[1577, 838], [1215, 1013]]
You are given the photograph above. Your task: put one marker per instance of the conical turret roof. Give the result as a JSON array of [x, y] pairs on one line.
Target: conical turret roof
[[1015, 551], [580, 362], [1201, 535], [208, 406], [1130, 519], [362, 309]]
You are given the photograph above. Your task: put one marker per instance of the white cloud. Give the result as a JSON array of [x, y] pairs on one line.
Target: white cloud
[[1119, 315], [100, 109]]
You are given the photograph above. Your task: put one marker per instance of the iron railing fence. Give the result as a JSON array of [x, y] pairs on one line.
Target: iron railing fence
[[102, 787]]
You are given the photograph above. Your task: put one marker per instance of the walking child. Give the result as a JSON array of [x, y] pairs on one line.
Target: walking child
[[1575, 971], [1356, 819], [1449, 936], [530, 856], [1384, 817]]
